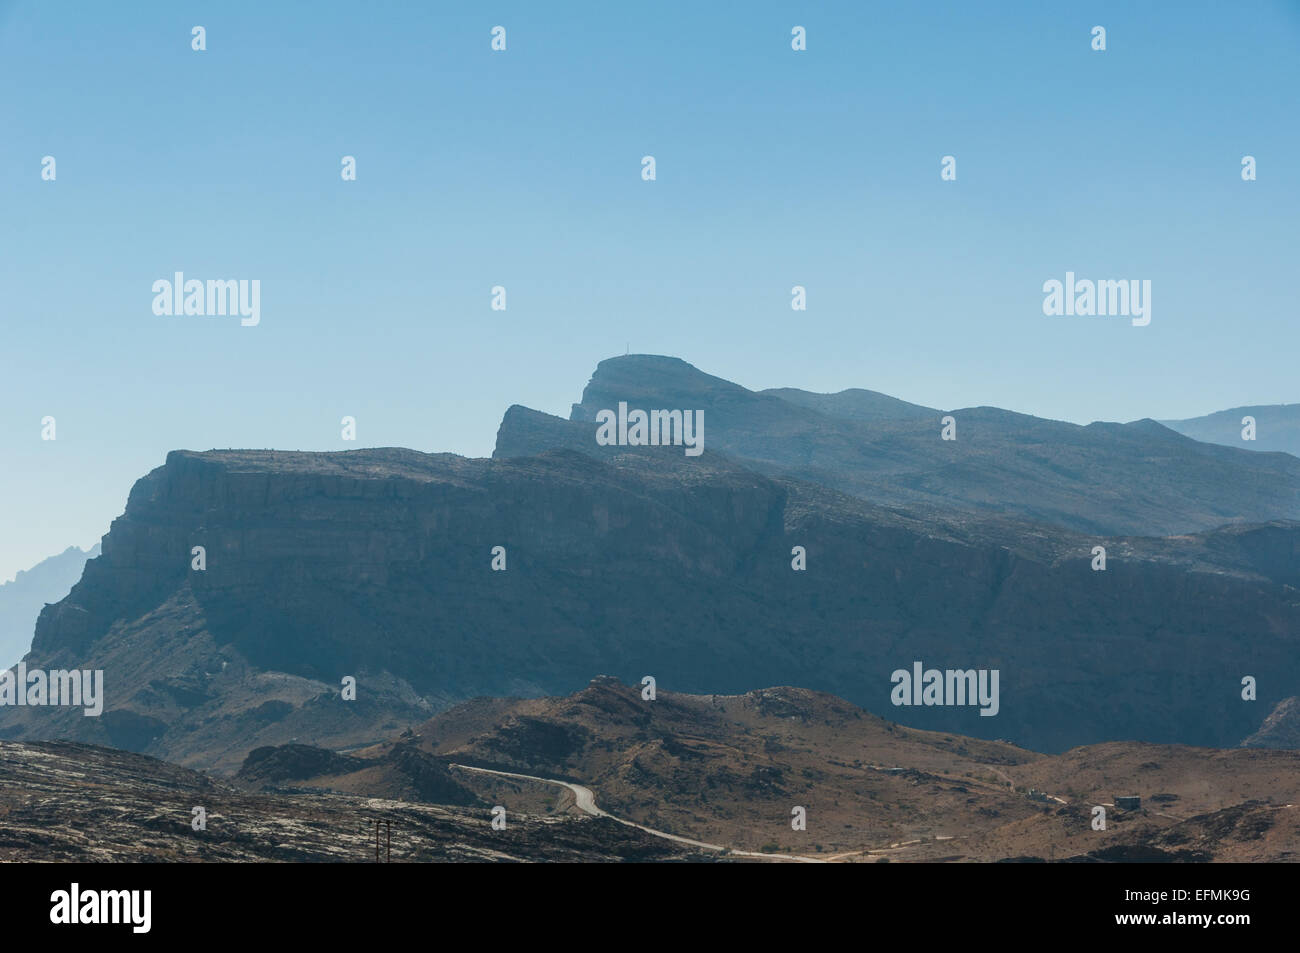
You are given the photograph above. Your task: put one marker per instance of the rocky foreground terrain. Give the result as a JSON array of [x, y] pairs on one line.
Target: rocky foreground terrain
[[705, 777], [74, 802]]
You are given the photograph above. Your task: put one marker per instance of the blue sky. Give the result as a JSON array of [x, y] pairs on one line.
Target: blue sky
[[522, 168]]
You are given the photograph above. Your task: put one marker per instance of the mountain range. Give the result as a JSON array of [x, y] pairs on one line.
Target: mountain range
[[970, 554], [1108, 479]]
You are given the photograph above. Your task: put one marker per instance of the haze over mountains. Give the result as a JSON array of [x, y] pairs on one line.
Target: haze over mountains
[[966, 554], [22, 598], [1277, 427], [1132, 479]]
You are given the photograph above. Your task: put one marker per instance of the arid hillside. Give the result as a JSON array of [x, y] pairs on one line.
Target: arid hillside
[[729, 770]]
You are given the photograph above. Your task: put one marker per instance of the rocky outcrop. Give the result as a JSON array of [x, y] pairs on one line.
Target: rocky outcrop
[[1281, 729], [277, 764], [397, 771]]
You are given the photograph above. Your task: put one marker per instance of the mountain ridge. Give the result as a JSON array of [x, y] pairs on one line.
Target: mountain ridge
[[1139, 478]]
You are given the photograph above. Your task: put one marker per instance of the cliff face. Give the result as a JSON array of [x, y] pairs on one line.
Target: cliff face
[[377, 564]]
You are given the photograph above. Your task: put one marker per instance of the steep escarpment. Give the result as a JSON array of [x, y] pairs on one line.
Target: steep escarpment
[[377, 565]]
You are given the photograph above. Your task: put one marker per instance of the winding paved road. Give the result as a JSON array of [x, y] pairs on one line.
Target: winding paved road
[[586, 802]]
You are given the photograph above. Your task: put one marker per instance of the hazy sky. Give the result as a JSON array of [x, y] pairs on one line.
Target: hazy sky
[[522, 168]]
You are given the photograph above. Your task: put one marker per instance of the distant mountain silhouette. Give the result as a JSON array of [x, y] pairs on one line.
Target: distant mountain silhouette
[[856, 404], [22, 599], [1277, 427]]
